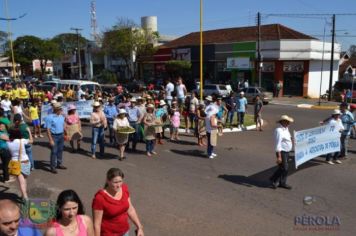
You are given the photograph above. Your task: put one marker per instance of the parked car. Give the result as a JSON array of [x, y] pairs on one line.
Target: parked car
[[73, 84], [342, 86], [30, 79], [217, 89], [5, 79], [252, 92]]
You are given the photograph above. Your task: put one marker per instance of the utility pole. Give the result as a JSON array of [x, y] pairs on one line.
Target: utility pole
[[77, 30], [259, 58], [332, 58]]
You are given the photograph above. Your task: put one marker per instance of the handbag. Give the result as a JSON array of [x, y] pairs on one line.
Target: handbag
[[15, 166]]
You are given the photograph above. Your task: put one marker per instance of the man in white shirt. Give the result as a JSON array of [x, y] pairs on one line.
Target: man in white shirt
[[283, 145], [181, 92], [169, 89], [6, 106]]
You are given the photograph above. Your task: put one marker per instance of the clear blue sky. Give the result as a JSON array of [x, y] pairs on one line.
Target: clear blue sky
[[46, 18]]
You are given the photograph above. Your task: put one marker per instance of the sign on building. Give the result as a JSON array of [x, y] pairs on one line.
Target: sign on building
[[181, 54], [268, 67], [293, 67], [242, 63]]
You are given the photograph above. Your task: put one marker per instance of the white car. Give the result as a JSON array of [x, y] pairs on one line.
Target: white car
[[217, 89]]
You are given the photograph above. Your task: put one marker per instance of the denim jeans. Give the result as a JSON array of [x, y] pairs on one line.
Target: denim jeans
[[57, 150], [282, 172], [241, 118], [334, 155], [230, 117], [97, 135], [150, 145], [111, 131], [7, 114], [169, 102], [344, 145], [210, 147], [28, 148], [134, 136]]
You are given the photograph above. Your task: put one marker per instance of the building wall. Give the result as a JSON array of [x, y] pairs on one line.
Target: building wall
[[315, 77]]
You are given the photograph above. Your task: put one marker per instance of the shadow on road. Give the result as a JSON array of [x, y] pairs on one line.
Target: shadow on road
[[261, 179], [183, 142], [194, 153], [43, 165]]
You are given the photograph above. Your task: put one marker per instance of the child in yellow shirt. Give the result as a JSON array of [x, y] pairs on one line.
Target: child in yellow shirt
[[33, 112]]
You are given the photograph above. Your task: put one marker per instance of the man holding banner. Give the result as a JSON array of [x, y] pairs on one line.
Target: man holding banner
[[283, 145], [337, 123]]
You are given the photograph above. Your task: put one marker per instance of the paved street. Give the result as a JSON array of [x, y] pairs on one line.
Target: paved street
[[181, 192]]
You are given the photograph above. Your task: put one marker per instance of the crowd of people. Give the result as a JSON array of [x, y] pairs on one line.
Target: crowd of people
[[112, 209], [127, 120]]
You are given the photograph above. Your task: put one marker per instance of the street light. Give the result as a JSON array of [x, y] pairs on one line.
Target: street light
[[201, 50], [8, 19]]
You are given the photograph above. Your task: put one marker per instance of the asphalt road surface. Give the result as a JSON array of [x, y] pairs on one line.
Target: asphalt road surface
[[181, 192]]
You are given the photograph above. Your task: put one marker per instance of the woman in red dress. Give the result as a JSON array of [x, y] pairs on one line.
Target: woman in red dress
[[112, 207]]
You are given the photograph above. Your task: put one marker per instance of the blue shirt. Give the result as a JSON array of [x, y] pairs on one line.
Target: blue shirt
[[160, 112], [55, 123], [241, 104], [28, 231], [221, 112], [133, 113], [110, 111], [348, 121]]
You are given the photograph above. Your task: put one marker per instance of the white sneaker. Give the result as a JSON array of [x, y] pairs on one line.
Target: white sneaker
[[211, 157], [338, 161], [214, 154], [331, 163]]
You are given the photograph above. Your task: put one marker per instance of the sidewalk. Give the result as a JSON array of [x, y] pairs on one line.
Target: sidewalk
[[308, 103]]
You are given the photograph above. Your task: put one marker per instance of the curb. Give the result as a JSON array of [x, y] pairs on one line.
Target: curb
[[324, 107], [316, 107], [308, 106]]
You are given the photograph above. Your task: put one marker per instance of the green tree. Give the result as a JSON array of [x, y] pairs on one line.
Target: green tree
[[68, 43], [126, 41], [176, 68], [28, 48]]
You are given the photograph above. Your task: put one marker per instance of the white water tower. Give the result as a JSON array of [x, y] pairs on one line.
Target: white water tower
[[149, 23]]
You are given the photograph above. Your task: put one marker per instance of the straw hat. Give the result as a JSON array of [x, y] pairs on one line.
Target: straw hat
[[133, 100], [242, 93], [150, 106], [122, 111], [336, 112], [57, 105], [209, 98], [286, 118], [96, 104], [162, 103]]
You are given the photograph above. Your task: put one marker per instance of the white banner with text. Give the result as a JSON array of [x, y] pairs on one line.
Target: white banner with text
[[311, 143]]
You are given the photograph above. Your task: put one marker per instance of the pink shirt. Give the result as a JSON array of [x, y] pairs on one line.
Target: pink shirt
[[81, 227], [175, 119], [72, 119]]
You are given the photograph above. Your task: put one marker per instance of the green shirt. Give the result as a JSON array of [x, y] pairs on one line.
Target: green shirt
[[5, 121], [23, 129]]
